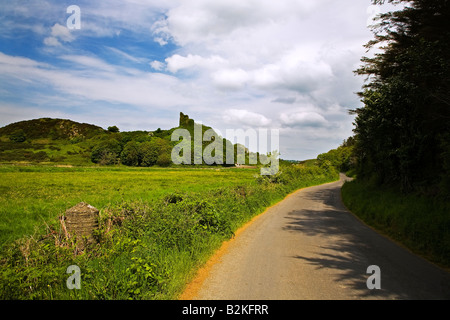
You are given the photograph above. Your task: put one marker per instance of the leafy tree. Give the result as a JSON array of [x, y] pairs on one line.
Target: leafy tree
[[146, 154], [113, 129], [106, 152], [149, 153], [341, 158], [164, 152], [401, 129], [131, 155]]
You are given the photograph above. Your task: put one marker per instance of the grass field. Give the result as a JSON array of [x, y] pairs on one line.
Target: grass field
[[156, 226], [32, 195]]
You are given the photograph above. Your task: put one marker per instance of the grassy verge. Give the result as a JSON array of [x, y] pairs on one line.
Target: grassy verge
[[422, 224], [147, 247]]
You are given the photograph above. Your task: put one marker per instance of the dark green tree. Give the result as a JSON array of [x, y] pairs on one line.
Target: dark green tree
[[402, 127], [113, 129], [149, 153], [131, 155], [106, 152], [155, 151], [164, 152], [341, 158]]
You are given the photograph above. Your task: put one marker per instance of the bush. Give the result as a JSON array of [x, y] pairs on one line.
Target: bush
[[279, 177], [164, 160]]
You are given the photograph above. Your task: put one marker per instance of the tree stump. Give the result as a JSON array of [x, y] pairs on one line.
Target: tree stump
[[81, 221]]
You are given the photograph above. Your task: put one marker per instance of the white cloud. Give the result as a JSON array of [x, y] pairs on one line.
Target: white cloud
[[260, 45], [127, 56], [58, 33], [312, 119], [62, 32], [293, 72], [197, 21], [245, 118], [52, 41], [177, 62], [161, 32], [99, 28], [12, 64], [157, 65], [88, 62], [230, 79], [92, 79], [161, 41]]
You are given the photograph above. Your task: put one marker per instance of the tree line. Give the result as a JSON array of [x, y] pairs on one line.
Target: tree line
[[133, 148], [145, 149], [341, 158], [402, 132]]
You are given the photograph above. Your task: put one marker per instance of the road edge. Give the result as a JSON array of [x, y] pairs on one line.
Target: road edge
[[193, 287], [386, 236]]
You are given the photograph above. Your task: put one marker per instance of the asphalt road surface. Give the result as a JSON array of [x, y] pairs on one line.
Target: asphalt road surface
[[309, 246]]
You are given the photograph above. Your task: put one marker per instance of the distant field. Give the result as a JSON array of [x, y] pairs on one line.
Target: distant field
[[32, 195]]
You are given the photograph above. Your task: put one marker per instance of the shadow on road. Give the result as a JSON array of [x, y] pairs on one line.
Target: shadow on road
[[348, 247]]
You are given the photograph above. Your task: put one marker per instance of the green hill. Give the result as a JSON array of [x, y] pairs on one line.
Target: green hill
[[47, 140], [66, 142], [49, 128], [62, 141]]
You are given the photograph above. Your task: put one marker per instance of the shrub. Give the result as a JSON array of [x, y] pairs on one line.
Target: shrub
[[164, 160], [18, 136]]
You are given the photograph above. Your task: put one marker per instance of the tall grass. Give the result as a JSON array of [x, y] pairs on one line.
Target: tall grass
[[32, 196], [146, 248], [421, 223]]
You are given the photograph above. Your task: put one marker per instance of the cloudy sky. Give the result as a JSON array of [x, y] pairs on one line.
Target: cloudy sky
[[231, 64]]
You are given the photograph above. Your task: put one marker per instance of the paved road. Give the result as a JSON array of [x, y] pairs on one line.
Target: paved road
[[310, 247]]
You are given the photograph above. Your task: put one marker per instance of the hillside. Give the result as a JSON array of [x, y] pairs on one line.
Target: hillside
[[55, 129], [62, 141]]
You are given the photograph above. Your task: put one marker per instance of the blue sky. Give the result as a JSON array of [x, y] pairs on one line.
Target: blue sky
[[230, 64]]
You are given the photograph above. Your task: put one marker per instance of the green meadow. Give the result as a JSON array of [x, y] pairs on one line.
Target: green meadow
[[31, 196]]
